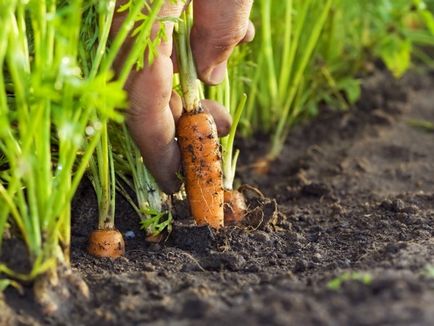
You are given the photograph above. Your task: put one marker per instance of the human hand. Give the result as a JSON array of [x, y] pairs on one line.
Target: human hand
[[219, 25]]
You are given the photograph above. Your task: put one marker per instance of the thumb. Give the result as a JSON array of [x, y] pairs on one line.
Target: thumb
[[219, 25]]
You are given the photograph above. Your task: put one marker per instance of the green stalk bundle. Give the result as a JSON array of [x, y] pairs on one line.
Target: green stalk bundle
[[284, 55], [102, 172], [56, 97], [308, 53], [132, 172], [47, 114], [224, 94]]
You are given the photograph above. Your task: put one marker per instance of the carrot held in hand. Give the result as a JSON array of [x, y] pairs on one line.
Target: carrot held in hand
[[198, 141], [200, 152]]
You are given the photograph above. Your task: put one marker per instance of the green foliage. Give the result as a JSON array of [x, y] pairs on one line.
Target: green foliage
[[156, 222], [57, 93], [136, 24], [5, 283], [287, 36], [393, 28], [224, 94], [132, 173], [429, 271], [336, 283], [308, 53], [51, 117]]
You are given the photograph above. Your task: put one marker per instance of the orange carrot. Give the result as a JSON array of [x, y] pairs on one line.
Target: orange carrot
[[197, 137], [200, 152], [106, 243], [235, 207]]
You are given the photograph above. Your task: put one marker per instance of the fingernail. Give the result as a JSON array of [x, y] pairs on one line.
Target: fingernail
[[218, 74]]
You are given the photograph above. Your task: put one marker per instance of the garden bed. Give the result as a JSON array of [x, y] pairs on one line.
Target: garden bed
[[351, 240]]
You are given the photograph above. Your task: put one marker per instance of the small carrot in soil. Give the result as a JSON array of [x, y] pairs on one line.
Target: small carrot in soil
[[198, 139], [106, 243], [235, 207], [106, 240]]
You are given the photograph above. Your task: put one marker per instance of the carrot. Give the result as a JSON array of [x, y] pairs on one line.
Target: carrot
[[197, 138], [200, 152], [235, 207], [106, 243]]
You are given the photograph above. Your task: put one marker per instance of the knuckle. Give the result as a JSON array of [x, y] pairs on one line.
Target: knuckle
[[225, 38]]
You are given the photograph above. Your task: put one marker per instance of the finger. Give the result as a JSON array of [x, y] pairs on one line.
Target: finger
[[219, 25], [149, 117], [221, 116], [174, 60], [176, 106], [250, 34]]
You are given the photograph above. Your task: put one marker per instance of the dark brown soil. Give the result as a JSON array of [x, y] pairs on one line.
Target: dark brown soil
[[356, 207]]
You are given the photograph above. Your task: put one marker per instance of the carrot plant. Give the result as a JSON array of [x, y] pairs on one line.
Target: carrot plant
[[283, 53], [46, 103], [389, 30], [197, 138], [107, 240], [132, 175], [392, 31], [399, 32], [308, 53], [56, 98]]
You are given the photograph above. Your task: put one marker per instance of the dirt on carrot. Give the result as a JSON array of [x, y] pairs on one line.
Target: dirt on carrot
[[200, 152]]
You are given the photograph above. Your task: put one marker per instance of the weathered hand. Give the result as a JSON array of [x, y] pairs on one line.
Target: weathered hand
[[219, 25]]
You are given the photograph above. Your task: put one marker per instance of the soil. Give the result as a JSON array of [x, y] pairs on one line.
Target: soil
[[350, 241]]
